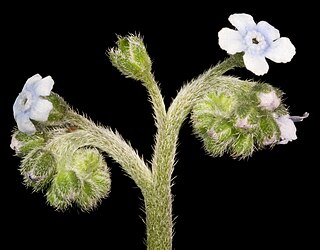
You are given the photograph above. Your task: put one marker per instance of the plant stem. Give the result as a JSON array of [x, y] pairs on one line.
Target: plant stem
[[155, 98], [158, 209], [115, 146], [159, 200]]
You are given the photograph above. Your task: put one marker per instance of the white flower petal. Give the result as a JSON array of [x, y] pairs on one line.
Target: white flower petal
[[231, 41], [44, 86], [40, 110], [268, 31], [256, 64], [32, 80], [243, 22], [287, 129], [295, 118], [24, 124], [281, 50], [283, 142]]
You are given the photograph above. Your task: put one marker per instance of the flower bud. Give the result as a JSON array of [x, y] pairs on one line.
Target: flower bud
[[269, 101], [269, 131], [95, 176], [64, 189], [22, 143], [38, 169], [131, 57], [94, 189], [84, 182], [243, 146], [58, 114]]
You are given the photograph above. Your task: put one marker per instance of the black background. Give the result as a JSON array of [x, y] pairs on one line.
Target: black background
[[267, 200]]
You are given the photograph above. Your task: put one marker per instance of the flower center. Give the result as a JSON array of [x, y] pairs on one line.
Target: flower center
[[256, 42], [26, 100]]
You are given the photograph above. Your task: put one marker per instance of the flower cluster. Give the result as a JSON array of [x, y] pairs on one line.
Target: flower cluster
[[68, 173], [242, 117]]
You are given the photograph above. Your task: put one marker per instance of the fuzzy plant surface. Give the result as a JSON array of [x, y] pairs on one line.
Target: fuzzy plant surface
[[62, 151]]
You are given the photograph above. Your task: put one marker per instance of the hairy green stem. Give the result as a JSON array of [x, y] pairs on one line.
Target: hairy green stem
[[159, 201], [166, 138], [115, 146], [156, 99], [159, 224]]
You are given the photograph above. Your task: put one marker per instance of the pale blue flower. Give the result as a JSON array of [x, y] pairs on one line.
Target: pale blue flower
[[30, 105], [257, 41]]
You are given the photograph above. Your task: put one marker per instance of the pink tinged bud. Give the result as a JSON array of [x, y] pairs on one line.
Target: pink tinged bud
[[16, 144], [213, 134], [243, 123], [269, 101]]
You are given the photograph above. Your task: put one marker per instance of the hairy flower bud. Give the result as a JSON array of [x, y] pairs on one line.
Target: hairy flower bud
[[84, 181], [269, 101], [131, 57], [58, 114], [95, 176], [22, 143], [38, 169], [64, 189]]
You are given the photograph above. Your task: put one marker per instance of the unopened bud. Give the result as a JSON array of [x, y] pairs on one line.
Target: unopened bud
[[22, 143], [38, 169], [83, 182], [130, 57]]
